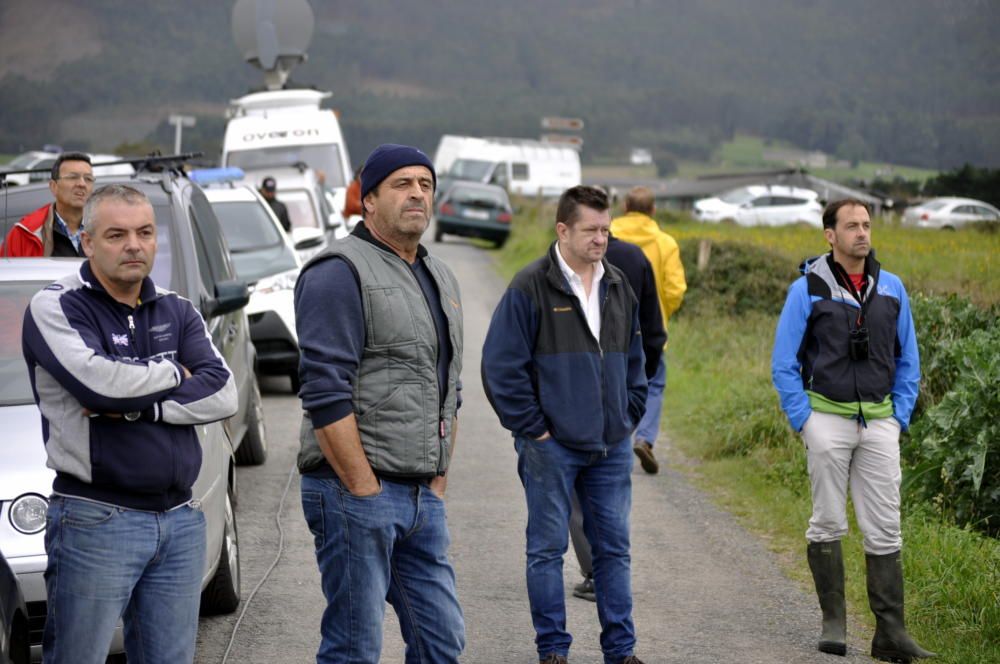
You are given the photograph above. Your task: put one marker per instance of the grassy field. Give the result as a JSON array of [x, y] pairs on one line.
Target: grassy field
[[752, 463], [927, 260]]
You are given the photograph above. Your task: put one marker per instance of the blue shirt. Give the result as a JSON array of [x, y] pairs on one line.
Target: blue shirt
[[61, 226]]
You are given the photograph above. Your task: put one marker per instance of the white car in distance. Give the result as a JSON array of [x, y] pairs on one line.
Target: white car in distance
[[949, 213], [762, 205]]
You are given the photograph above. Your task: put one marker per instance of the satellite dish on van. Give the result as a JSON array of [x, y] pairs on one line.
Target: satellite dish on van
[[273, 36]]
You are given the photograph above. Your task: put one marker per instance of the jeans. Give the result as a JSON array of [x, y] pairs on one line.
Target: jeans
[[107, 563], [393, 547], [550, 472], [841, 452], [649, 425]]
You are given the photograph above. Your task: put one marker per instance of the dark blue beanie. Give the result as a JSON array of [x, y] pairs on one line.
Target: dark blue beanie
[[391, 157]]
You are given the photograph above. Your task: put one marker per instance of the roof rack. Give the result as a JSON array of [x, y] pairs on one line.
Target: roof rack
[[154, 162]]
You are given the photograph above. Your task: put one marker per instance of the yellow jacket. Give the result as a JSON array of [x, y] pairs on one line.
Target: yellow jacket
[[662, 251]]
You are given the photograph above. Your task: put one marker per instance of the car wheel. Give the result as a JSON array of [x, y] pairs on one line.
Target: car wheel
[[438, 234], [222, 594], [253, 449], [293, 375], [499, 242]]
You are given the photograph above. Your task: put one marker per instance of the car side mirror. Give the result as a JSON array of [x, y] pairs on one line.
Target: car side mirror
[[229, 296], [307, 238]]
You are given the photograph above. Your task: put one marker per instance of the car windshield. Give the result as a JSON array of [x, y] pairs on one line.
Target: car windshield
[[255, 242], [301, 211], [470, 169], [23, 161], [737, 196], [477, 197], [15, 388], [324, 159], [246, 226]]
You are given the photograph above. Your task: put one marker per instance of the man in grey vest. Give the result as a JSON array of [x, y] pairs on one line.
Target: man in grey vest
[[380, 331]]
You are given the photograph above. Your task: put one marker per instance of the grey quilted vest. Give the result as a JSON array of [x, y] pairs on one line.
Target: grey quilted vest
[[405, 431]]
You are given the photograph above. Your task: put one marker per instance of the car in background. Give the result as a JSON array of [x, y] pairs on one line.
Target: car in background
[[309, 208], [949, 213], [762, 205], [471, 209], [14, 645], [265, 258], [26, 481], [36, 159]]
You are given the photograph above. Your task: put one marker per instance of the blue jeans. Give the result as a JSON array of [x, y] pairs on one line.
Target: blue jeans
[[550, 472], [107, 563], [393, 547], [649, 425]]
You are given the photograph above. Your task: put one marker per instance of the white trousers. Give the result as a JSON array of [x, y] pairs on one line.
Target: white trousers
[[841, 452]]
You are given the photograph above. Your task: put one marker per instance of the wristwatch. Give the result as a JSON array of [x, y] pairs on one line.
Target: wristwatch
[[132, 417]]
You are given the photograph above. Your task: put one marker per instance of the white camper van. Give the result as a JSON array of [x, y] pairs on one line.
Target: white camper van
[[522, 166], [287, 130]]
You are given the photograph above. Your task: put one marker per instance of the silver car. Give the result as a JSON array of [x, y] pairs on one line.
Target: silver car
[[949, 213], [26, 482]]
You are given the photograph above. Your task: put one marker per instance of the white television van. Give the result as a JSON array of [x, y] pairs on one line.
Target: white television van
[[286, 130], [521, 166]]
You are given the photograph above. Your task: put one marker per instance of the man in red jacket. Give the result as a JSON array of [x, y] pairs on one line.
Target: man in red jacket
[[54, 228]]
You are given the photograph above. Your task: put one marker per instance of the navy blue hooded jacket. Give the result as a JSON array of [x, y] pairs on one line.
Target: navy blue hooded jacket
[[88, 352], [544, 371]]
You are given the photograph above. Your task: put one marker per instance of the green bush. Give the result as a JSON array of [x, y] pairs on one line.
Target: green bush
[[739, 278], [954, 450], [941, 321]]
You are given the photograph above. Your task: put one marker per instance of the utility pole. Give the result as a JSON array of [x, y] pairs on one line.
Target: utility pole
[[179, 121]]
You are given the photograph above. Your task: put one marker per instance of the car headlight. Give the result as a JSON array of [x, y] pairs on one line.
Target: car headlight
[[277, 282], [27, 513]]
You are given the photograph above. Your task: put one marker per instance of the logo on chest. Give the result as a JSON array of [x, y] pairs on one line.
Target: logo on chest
[[119, 339], [160, 332]]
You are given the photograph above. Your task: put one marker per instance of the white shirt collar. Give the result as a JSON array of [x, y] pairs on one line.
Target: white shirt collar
[[572, 276]]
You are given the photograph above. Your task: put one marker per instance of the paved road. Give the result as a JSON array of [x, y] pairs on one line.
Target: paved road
[[705, 590]]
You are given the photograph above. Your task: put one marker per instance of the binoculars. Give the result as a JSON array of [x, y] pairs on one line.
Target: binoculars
[[857, 346]]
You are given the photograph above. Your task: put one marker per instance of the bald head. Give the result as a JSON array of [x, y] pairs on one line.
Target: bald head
[[640, 199]]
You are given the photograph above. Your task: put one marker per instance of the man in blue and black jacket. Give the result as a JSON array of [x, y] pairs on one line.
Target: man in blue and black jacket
[[846, 367], [563, 369], [122, 371]]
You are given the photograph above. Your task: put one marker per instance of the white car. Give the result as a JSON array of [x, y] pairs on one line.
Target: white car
[[36, 159], [949, 213], [761, 205], [26, 481], [264, 256]]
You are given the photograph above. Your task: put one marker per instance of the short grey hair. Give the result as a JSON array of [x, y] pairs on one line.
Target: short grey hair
[[110, 192]]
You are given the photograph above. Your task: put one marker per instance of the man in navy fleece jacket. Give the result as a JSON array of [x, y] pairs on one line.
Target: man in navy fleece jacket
[[122, 371]]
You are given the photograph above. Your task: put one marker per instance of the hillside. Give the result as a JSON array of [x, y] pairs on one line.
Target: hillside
[[906, 81]]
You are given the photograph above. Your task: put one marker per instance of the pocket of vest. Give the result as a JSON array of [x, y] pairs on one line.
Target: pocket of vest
[[389, 318], [395, 428]]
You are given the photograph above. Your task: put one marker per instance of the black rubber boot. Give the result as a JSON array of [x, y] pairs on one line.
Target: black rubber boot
[[885, 595], [827, 564]]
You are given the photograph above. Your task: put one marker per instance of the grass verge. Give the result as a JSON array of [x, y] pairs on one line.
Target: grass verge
[[755, 467]]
